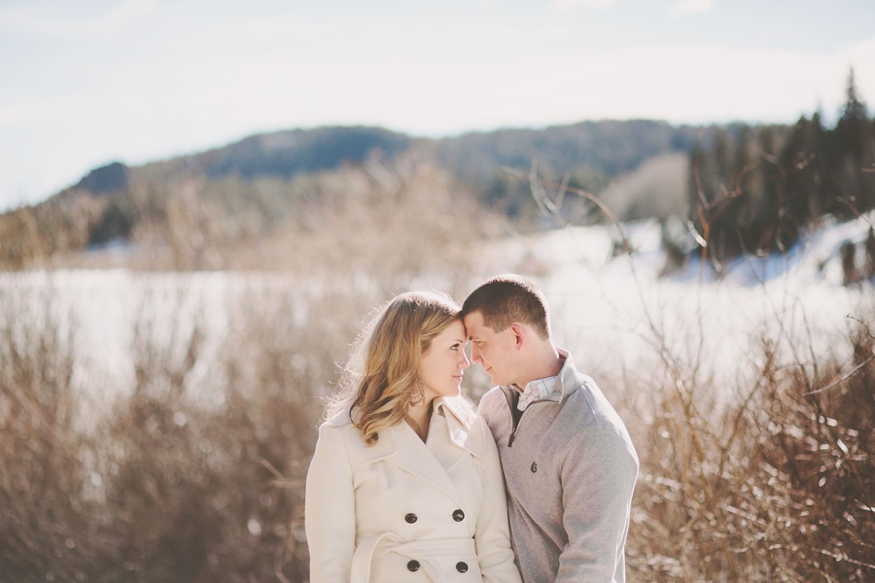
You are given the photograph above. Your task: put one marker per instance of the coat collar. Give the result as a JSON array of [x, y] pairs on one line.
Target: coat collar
[[401, 446], [460, 420], [359, 452]]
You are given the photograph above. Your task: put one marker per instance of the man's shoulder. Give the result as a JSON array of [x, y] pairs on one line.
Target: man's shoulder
[[493, 408], [598, 420], [588, 407], [494, 397]]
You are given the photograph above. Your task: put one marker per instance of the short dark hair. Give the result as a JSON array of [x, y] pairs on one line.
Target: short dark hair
[[510, 298]]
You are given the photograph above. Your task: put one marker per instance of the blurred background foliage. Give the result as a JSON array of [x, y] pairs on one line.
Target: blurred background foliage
[[195, 474], [755, 190], [739, 188]]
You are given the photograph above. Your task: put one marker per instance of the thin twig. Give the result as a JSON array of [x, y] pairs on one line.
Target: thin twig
[[843, 379]]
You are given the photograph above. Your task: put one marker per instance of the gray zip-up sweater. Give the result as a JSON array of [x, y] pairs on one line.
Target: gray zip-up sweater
[[570, 469]]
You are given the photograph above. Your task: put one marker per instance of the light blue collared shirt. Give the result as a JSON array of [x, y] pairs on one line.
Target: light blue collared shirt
[[539, 390]]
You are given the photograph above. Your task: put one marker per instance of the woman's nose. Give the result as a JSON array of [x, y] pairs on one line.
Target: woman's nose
[[464, 362]]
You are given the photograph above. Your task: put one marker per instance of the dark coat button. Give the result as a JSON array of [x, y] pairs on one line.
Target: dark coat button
[[458, 515], [534, 467], [413, 566], [410, 518], [462, 567]]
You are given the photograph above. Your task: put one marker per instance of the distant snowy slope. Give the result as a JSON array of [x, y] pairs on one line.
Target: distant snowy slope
[[616, 313]]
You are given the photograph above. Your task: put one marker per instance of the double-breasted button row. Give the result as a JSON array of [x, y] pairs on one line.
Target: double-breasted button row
[[458, 516], [413, 566]]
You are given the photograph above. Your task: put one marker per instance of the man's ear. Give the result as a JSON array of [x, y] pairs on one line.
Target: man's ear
[[519, 335]]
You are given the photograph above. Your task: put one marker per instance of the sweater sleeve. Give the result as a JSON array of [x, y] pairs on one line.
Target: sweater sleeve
[[598, 478], [492, 533], [329, 509]]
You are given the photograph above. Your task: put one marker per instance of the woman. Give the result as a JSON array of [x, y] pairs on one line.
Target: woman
[[405, 483]]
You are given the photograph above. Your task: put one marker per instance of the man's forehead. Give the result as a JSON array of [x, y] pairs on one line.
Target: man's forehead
[[475, 325], [473, 318]]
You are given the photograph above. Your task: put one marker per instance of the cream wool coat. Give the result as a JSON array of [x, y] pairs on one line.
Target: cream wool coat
[[404, 510]]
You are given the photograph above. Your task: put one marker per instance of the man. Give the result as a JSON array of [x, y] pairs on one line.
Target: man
[[568, 462]]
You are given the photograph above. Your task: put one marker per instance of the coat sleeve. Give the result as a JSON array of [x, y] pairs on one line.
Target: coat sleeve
[[492, 534], [598, 478], [329, 509]]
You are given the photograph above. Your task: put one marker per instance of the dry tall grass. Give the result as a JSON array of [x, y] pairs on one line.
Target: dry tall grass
[[42, 477], [195, 472], [778, 486], [179, 482]]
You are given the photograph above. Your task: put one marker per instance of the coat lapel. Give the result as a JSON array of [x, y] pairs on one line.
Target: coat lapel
[[401, 446], [414, 457], [459, 428]]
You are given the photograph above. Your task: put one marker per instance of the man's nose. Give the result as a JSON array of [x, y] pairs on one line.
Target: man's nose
[[475, 354]]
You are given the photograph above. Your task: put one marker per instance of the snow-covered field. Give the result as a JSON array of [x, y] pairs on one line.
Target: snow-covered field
[[111, 312], [614, 313], [617, 314]]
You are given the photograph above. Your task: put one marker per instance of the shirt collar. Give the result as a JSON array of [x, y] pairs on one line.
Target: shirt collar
[[566, 380], [538, 390]]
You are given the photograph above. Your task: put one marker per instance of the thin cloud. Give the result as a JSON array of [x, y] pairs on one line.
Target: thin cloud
[[682, 7], [31, 20], [569, 5]]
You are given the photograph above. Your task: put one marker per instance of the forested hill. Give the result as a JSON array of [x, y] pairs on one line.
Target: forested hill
[[589, 155], [281, 154], [609, 147], [287, 153], [264, 178], [604, 147]]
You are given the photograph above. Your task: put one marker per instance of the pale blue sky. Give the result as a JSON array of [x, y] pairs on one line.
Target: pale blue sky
[[86, 83]]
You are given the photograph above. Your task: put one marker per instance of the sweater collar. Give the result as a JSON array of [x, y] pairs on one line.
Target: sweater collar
[[565, 382]]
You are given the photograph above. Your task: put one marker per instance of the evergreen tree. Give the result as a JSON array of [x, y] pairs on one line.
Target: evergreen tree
[[854, 109], [777, 226], [753, 198], [801, 162], [716, 213], [740, 218], [853, 146]]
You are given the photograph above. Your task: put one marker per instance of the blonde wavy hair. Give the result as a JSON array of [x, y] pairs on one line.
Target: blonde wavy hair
[[381, 380]]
